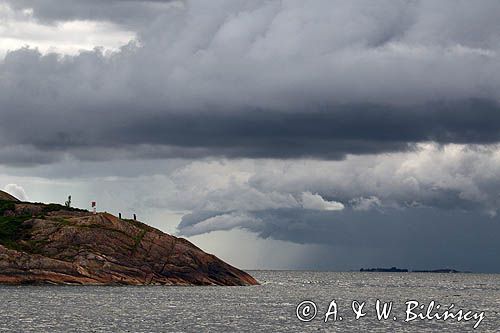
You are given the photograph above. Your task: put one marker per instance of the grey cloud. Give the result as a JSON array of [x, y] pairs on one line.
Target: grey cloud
[[453, 178], [355, 228], [414, 238], [26, 155], [264, 79], [361, 87], [431, 208], [452, 187], [131, 13]]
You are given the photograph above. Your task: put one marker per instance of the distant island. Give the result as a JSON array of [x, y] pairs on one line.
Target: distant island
[[404, 270], [56, 244], [391, 270], [441, 270]]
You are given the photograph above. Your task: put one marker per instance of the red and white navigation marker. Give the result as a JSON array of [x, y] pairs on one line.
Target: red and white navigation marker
[[94, 208]]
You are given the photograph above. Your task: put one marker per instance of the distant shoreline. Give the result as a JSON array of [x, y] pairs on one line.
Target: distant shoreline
[[405, 270], [366, 270]]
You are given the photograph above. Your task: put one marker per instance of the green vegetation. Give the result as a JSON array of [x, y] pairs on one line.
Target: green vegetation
[[12, 229], [138, 224], [15, 234], [10, 226], [6, 205], [62, 221], [56, 207], [138, 240]]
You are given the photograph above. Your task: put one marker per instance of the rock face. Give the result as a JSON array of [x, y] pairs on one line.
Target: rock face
[[51, 244]]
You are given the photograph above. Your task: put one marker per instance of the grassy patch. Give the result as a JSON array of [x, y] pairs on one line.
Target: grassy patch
[[138, 224], [61, 221], [56, 208], [138, 239], [12, 229], [6, 205]]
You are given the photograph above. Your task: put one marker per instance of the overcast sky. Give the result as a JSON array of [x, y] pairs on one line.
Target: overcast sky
[[275, 134]]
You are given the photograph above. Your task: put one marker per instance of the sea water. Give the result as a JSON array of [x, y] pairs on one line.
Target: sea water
[[271, 307]]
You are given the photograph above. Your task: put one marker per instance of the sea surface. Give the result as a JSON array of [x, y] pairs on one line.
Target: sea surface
[[270, 307]]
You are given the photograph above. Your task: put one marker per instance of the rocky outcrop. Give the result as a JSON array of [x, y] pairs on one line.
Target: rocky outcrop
[[7, 197], [55, 245]]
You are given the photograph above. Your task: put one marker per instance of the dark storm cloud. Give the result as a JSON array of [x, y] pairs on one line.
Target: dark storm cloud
[[261, 79], [358, 228], [413, 238], [327, 134], [385, 204], [362, 87]]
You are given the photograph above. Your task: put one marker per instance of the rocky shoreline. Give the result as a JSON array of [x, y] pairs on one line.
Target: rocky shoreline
[[53, 244]]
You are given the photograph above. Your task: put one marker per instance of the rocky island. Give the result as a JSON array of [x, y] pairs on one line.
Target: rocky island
[[404, 270], [384, 270], [55, 244]]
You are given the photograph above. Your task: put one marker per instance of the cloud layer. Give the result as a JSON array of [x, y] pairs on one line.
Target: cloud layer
[[349, 124], [131, 13], [260, 79], [443, 197], [454, 177], [433, 207]]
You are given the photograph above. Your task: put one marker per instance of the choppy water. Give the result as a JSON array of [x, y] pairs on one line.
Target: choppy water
[[270, 307]]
